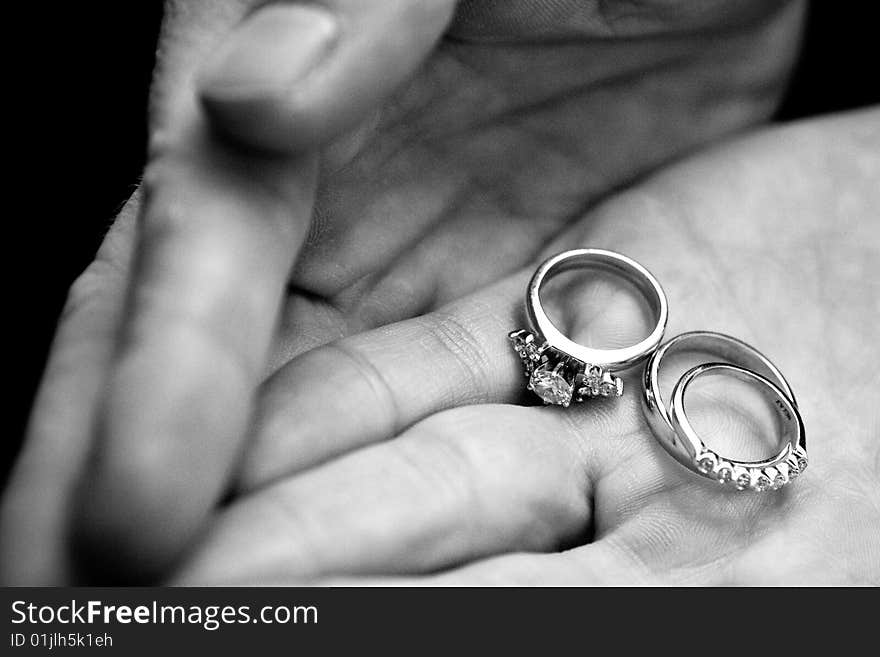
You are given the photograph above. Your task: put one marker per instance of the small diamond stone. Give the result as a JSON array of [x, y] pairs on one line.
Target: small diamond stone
[[592, 382], [725, 475], [743, 481], [778, 481], [610, 385], [551, 386], [762, 483], [802, 463], [793, 472], [705, 464], [525, 347]]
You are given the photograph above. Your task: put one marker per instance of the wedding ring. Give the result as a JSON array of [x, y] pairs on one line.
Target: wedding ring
[[675, 433], [560, 370]]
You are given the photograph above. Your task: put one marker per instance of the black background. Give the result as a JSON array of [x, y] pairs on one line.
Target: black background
[[77, 88]]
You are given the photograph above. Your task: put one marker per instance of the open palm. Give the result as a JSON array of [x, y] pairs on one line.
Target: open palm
[[457, 177], [497, 143], [770, 238]]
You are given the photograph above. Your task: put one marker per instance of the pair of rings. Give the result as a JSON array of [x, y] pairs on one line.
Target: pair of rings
[[561, 372]]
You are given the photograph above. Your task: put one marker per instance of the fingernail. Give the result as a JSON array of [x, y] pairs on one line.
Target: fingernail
[[270, 51]]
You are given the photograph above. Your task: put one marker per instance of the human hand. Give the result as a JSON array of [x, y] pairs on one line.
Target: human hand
[[507, 132], [772, 238]]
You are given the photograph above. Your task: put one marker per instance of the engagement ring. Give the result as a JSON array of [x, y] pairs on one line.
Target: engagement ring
[[560, 370]]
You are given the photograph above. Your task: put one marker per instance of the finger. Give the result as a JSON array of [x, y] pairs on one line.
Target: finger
[[216, 245], [596, 564], [369, 387], [36, 505], [485, 480], [217, 236], [481, 480], [651, 527], [292, 75], [460, 485]]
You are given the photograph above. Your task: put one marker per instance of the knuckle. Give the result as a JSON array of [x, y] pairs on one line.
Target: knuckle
[[163, 210], [443, 463], [370, 374], [458, 338], [439, 465], [161, 168], [501, 478]]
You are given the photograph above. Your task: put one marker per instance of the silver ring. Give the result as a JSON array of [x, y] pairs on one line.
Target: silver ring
[[673, 431], [560, 370]]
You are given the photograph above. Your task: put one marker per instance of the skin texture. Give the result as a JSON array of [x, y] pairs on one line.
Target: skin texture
[[497, 478], [499, 138]]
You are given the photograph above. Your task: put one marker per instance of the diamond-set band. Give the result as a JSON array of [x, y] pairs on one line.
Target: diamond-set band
[[675, 433], [561, 371], [760, 476], [760, 479]]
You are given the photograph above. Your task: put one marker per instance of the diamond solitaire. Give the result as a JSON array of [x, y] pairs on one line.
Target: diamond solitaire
[[550, 385], [561, 371], [559, 379]]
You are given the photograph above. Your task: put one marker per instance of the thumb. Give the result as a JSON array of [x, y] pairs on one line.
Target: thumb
[[292, 75]]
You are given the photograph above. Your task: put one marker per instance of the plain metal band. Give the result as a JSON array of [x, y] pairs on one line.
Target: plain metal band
[[608, 359], [786, 409], [722, 347]]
